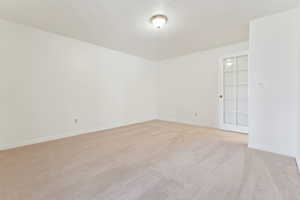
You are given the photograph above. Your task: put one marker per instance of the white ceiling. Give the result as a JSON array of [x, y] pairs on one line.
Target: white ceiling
[[123, 25]]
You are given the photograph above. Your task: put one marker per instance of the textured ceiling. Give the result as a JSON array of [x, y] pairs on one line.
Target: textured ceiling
[[123, 25]]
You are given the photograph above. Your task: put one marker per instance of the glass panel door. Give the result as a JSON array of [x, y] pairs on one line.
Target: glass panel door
[[242, 91], [235, 93], [229, 91]]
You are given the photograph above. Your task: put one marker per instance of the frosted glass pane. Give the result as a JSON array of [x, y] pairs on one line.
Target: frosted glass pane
[[242, 77], [229, 105], [242, 119], [242, 62], [229, 93], [242, 92], [229, 118], [229, 79], [229, 111], [229, 64], [242, 106]]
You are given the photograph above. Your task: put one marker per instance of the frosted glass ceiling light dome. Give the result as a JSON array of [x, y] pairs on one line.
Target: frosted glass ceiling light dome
[[159, 21]]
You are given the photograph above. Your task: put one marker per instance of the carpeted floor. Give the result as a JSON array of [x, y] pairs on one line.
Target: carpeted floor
[[154, 160]]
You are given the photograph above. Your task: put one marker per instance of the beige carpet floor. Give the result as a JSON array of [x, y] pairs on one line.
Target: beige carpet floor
[[154, 160]]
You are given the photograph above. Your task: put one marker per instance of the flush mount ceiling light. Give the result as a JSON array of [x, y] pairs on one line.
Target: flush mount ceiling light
[[159, 21]]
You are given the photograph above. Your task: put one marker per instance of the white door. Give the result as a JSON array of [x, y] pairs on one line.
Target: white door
[[234, 93]]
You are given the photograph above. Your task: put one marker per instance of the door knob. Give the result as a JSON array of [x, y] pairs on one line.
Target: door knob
[[221, 96]]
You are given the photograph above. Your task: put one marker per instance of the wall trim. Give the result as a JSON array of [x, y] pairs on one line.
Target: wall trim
[[66, 135], [263, 148], [189, 123], [297, 159]]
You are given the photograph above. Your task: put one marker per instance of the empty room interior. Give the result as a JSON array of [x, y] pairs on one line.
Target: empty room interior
[[150, 100]]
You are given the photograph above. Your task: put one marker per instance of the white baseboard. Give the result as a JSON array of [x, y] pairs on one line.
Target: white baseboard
[[45, 139], [274, 151], [65, 135], [190, 123], [279, 153]]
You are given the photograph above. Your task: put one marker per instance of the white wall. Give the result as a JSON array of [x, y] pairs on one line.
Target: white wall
[[189, 85], [47, 81], [273, 82], [298, 22]]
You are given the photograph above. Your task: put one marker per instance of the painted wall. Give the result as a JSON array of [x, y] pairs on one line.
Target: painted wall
[[298, 22], [47, 81], [273, 82], [188, 86]]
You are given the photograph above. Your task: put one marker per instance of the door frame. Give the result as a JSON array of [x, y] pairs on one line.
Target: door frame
[[222, 125]]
